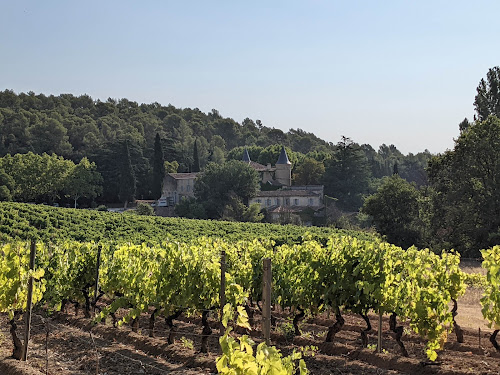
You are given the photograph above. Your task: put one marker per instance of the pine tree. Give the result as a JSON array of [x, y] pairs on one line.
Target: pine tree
[[487, 100], [158, 168], [127, 178], [196, 157]]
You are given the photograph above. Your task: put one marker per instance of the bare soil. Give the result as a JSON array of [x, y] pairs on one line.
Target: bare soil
[[74, 344]]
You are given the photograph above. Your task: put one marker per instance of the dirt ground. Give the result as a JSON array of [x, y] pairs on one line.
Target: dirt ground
[[74, 346]]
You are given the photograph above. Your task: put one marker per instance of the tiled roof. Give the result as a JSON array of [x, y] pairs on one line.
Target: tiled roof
[[246, 156], [283, 158], [183, 176], [258, 167]]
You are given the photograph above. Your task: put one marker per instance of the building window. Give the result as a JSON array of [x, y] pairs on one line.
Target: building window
[[277, 201], [188, 188], [310, 202], [182, 187], [287, 202], [259, 201], [268, 202], [296, 202]]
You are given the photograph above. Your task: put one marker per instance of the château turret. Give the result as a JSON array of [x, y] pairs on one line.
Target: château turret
[[283, 173]]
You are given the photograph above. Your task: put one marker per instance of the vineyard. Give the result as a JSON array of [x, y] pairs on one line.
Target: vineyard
[[50, 224], [329, 290]]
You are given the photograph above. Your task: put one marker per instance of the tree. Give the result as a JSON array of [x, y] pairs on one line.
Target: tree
[[216, 186], [158, 168], [50, 136], [36, 177], [270, 155], [466, 179], [464, 125], [83, 181], [395, 211], [235, 210], [190, 208], [487, 100], [127, 178], [144, 210], [196, 158], [309, 172], [171, 167], [6, 186], [347, 175]]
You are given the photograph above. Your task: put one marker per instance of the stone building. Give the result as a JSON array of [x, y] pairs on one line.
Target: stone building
[[177, 186], [280, 200]]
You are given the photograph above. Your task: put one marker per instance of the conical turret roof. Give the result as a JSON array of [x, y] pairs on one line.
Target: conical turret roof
[[283, 158], [246, 156]]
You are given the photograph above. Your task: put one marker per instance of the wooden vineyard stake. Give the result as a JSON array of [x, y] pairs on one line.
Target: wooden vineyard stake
[[222, 288], [266, 300], [28, 303], [379, 336], [96, 289]]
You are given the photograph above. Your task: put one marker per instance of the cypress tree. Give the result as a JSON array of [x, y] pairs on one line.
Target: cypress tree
[[395, 169], [127, 178], [158, 168], [196, 158]]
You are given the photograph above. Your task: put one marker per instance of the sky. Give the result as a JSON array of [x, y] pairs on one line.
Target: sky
[[395, 72]]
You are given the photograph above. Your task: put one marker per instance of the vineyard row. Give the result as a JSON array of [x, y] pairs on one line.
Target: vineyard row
[[173, 278]]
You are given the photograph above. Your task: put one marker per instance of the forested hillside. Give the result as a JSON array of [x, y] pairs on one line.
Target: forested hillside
[[79, 126]]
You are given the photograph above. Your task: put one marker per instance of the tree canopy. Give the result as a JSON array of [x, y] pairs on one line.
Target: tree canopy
[[487, 100], [395, 211], [466, 180], [44, 178], [347, 175], [219, 184]]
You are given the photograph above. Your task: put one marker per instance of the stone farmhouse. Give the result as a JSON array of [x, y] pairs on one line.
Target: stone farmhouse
[[283, 202], [177, 186]]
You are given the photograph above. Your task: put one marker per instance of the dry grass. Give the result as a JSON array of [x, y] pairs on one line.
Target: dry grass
[[469, 306], [472, 266]]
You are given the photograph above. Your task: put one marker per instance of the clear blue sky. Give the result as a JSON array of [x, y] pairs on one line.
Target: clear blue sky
[[400, 72]]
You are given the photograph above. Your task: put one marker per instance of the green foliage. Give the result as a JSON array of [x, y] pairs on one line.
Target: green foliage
[[238, 356], [491, 297], [83, 181], [6, 186], [487, 100], [35, 177], [216, 186], [467, 199], [237, 211], [14, 275], [158, 168], [127, 178], [26, 221], [309, 172], [196, 158], [347, 175], [475, 280], [190, 208], [79, 126], [171, 167], [346, 273], [187, 343], [144, 209], [395, 211]]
